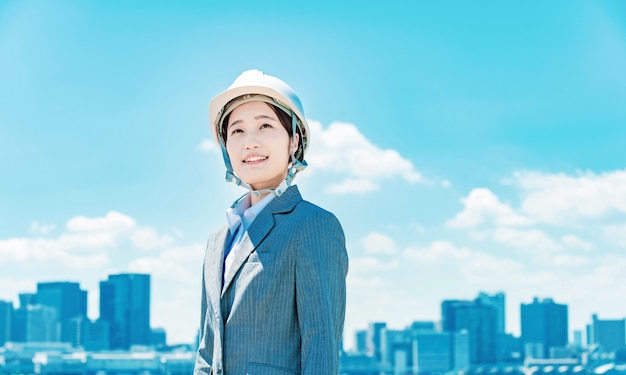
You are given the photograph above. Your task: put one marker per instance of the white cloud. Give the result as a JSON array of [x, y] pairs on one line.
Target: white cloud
[[85, 242], [483, 207], [561, 198], [378, 243], [193, 254], [113, 222], [352, 186], [615, 233], [40, 228], [341, 149], [477, 268], [531, 239], [165, 269], [147, 238], [208, 145], [437, 251], [372, 264], [568, 260], [575, 242]]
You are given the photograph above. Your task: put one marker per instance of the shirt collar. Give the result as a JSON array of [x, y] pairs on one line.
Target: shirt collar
[[244, 213]]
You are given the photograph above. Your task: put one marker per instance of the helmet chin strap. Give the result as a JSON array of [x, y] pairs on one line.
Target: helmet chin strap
[[295, 167]]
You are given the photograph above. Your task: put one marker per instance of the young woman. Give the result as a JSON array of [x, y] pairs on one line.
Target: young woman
[[273, 290]]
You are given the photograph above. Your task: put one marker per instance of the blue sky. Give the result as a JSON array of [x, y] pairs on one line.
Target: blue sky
[[465, 146]]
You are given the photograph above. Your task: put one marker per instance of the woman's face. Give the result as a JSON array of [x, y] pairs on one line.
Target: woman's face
[[258, 145]]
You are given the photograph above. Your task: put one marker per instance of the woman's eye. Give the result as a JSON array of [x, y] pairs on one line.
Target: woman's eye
[[265, 126], [235, 131]]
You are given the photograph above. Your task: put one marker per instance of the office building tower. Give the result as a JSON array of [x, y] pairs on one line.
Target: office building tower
[[375, 333], [460, 350], [395, 342], [479, 320], [578, 338], [6, 313], [609, 335], [158, 337], [69, 301], [440, 351], [42, 324], [544, 325], [96, 335], [27, 299], [498, 302], [125, 305], [422, 326], [360, 341]]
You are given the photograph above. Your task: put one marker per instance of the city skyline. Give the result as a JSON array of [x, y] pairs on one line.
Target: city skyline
[[464, 146], [482, 297]]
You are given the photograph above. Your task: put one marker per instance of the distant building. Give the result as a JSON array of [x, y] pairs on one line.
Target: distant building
[[435, 352], [70, 302], [396, 348], [360, 341], [42, 324], [544, 326], [158, 337], [498, 301], [6, 313], [609, 335], [578, 338], [509, 348], [422, 326], [125, 305], [19, 318], [27, 299], [96, 335], [479, 320], [375, 341]]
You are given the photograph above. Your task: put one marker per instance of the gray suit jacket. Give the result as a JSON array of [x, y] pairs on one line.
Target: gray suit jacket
[[281, 308]]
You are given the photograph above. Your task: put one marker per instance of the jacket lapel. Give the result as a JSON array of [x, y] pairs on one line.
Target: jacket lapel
[[259, 229], [214, 268]]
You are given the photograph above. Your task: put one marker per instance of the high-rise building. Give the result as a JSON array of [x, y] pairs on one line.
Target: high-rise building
[[577, 338], [6, 313], [498, 302], [395, 341], [375, 334], [360, 341], [96, 335], [27, 299], [69, 301], [20, 317], [42, 324], [125, 305], [422, 326], [479, 320], [544, 325], [609, 335], [434, 351]]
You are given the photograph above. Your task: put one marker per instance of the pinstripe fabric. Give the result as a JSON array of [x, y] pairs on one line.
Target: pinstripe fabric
[[281, 309]]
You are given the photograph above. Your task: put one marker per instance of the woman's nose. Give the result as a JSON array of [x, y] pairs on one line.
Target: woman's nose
[[251, 141]]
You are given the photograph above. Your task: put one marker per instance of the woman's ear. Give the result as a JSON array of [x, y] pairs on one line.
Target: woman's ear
[[294, 143]]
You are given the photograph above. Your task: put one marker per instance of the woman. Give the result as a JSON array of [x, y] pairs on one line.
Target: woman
[[273, 290]]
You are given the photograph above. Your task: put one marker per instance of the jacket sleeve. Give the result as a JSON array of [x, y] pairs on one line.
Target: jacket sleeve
[[205, 347], [321, 268]]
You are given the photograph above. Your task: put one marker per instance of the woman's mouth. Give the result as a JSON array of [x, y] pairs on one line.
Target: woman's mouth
[[254, 159]]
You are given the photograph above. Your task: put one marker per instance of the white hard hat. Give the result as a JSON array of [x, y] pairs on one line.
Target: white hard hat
[[255, 85]]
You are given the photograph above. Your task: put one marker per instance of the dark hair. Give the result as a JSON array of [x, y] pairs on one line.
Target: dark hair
[[285, 121]]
